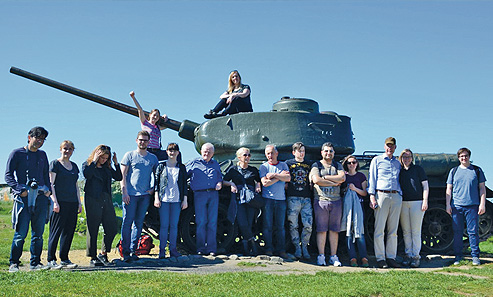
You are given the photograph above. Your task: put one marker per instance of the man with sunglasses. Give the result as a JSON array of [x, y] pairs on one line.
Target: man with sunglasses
[[386, 199], [299, 199], [327, 176], [28, 177], [138, 168]]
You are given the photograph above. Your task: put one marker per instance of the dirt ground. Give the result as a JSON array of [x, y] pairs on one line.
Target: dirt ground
[[235, 263]]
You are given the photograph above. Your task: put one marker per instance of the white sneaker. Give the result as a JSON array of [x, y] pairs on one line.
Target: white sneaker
[[335, 261], [53, 265], [321, 260]]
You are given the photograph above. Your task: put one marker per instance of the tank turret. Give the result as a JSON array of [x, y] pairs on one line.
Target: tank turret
[[289, 121]]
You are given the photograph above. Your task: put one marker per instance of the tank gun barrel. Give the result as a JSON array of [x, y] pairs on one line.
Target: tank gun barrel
[[185, 129]]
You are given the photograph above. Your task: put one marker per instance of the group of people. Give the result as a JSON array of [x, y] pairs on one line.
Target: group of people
[[327, 192]]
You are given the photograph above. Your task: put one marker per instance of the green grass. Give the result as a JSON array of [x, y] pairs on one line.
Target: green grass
[[250, 264], [392, 283], [7, 233], [476, 281]]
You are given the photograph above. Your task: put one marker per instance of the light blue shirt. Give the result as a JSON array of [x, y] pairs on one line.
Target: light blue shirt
[[204, 175], [384, 174], [276, 190], [139, 173], [465, 188]]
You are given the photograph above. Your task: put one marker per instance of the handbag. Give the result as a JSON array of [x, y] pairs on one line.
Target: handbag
[[252, 198]]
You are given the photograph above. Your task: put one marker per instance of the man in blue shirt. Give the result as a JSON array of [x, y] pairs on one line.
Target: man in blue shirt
[[274, 174], [27, 175], [205, 180], [137, 170], [386, 199], [466, 200]]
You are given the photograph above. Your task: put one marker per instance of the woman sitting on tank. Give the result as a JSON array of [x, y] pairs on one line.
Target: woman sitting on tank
[[244, 175], [170, 197], [236, 99], [152, 124]]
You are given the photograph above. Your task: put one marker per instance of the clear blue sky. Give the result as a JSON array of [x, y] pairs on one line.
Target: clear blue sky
[[421, 71]]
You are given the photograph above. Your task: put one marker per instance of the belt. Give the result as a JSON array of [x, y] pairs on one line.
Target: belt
[[205, 190], [388, 192]]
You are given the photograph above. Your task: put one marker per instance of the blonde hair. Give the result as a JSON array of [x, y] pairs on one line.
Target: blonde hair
[[231, 85], [402, 154], [240, 151], [103, 148], [69, 143]]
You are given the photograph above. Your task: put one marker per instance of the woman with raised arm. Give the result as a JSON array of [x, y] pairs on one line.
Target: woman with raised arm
[[415, 190], [98, 202], [170, 197], [152, 125], [65, 196], [236, 98]]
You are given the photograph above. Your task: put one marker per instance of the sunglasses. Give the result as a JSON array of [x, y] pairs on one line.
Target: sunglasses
[[247, 155], [352, 162]]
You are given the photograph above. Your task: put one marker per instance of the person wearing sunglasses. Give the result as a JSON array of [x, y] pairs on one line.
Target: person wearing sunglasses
[[244, 175], [353, 215], [27, 176]]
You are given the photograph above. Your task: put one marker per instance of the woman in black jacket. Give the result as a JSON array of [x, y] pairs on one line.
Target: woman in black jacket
[[98, 203], [170, 198]]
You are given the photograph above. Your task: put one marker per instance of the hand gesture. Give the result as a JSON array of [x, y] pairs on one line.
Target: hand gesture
[[56, 207], [115, 160]]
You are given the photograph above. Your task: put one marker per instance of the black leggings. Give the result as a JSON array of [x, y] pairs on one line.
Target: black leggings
[[62, 226]]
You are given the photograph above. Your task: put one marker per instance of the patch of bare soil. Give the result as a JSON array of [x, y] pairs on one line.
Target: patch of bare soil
[[235, 263]]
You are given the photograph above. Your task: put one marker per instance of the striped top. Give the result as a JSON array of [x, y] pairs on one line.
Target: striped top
[[155, 132]]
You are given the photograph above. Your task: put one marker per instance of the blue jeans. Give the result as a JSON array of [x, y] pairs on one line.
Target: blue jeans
[[206, 208], [169, 214], [133, 219], [274, 217], [470, 214], [38, 221], [360, 242]]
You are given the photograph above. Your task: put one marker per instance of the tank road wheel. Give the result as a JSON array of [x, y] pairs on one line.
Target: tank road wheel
[[226, 231], [486, 222], [437, 234]]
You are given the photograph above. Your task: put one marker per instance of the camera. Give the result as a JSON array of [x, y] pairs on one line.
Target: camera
[[33, 184]]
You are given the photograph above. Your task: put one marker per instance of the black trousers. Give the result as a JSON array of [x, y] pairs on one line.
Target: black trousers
[[238, 105], [62, 227], [100, 210]]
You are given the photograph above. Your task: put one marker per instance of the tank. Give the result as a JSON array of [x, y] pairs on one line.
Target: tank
[[289, 121]]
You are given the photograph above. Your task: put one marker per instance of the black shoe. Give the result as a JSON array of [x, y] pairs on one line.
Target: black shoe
[[210, 115], [134, 257], [104, 260], [95, 263], [393, 263], [382, 264]]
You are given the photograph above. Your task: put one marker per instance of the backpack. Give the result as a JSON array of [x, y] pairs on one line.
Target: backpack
[[144, 245]]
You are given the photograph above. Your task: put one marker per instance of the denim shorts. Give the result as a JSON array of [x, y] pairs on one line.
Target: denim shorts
[[328, 215]]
